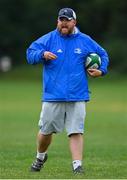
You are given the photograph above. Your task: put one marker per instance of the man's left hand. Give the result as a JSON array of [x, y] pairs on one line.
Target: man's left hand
[[94, 72]]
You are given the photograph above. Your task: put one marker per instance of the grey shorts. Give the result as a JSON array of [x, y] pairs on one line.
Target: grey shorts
[[55, 116]]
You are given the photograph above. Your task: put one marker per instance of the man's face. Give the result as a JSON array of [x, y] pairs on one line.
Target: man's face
[[66, 26]]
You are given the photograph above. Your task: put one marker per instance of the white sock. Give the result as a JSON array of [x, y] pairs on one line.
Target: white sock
[[76, 163], [41, 155]]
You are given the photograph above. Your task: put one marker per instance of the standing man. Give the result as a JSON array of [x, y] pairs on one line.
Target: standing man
[[65, 88]]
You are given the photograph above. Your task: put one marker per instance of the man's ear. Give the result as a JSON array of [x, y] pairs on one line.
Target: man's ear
[[75, 22]]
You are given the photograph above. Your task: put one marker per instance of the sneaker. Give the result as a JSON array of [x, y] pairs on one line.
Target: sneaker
[[78, 170], [38, 164]]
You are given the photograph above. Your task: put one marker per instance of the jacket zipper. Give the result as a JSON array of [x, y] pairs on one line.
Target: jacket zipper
[[68, 69]]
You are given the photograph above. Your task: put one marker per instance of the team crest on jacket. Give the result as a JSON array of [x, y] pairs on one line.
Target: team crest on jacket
[[77, 51], [59, 51]]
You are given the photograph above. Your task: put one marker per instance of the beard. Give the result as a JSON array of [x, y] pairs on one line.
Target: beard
[[65, 30]]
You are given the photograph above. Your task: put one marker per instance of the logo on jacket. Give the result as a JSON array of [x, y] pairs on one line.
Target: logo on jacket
[[77, 51], [59, 51]]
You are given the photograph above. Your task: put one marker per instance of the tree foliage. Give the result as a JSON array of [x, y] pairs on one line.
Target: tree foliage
[[23, 21]]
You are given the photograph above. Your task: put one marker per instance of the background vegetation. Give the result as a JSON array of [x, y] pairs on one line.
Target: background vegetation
[[24, 21]]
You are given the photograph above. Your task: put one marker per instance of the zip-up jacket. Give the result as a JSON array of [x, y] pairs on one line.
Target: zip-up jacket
[[65, 78]]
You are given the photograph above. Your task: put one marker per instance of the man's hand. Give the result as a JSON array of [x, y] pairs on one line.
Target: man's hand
[[49, 55], [94, 72]]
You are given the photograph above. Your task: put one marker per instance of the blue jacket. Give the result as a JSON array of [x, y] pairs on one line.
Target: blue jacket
[[65, 78]]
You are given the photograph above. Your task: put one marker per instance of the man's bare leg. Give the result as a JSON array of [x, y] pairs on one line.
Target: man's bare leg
[[43, 141], [76, 148]]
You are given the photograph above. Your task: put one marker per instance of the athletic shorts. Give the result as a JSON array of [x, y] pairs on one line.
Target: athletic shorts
[[55, 116]]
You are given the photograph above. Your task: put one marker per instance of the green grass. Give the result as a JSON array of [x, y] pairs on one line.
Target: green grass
[[105, 152]]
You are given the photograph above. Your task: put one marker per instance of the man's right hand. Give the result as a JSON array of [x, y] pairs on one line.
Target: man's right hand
[[49, 55]]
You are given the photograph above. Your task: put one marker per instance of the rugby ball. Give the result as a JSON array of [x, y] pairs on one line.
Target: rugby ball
[[93, 61]]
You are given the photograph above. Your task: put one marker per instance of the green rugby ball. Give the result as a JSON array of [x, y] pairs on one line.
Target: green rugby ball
[[93, 61]]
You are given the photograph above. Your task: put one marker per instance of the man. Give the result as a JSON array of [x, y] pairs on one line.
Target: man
[[65, 88]]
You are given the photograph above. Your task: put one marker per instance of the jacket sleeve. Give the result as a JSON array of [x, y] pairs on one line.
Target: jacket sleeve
[[104, 59], [36, 50], [103, 55]]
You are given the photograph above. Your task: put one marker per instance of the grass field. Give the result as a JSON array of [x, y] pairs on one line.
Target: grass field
[[105, 153]]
